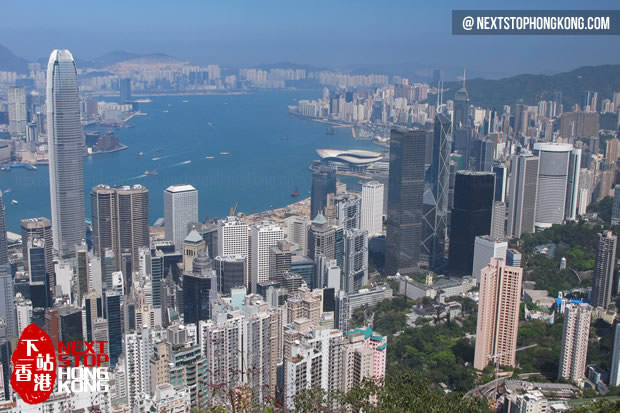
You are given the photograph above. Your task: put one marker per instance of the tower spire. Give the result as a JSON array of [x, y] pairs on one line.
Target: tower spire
[[463, 78]]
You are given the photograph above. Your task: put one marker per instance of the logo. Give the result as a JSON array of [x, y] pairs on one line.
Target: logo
[[79, 366]]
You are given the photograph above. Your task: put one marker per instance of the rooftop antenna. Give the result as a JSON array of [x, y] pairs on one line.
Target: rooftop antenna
[[463, 78]]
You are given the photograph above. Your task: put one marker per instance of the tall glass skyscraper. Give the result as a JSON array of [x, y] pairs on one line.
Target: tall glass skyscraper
[[323, 183], [66, 149], [471, 217], [4, 251], [405, 194]]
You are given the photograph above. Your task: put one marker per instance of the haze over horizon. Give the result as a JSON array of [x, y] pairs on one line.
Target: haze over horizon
[[403, 37]]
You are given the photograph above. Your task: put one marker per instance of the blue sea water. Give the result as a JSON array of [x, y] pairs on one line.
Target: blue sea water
[[259, 173]]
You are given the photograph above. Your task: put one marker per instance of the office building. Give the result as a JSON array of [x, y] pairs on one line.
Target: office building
[[297, 232], [604, 265], [614, 376], [461, 107], [501, 182], [572, 185], [231, 272], [575, 334], [513, 258], [113, 315], [498, 315], [344, 210], [38, 228], [323, 183], [18, 115], [405, 201], [265, 235], [192, 245], [523, 193], [615, 209], [321, 238], [124, 85], [66, 149], [199, 290], [435, 223], [232, 238], [23, 309], [355, 269], [498, 220], [4, 247], [485, 249], [280, 259], [372, 208], [552, 182], [120, 219], [180, 210], [471, 217], [7, 301], [579, 124]]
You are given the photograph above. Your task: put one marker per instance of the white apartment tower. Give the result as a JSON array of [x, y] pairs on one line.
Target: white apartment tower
[[372, 208], [180, 209], [265, 235], [574, 351], [17, 110], [66, 149], [138, 350]]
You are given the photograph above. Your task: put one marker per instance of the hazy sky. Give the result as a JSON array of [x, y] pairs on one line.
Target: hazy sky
[[411, 34]]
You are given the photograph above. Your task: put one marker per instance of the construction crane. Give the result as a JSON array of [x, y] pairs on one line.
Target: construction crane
[[233, 211], [496, 357]]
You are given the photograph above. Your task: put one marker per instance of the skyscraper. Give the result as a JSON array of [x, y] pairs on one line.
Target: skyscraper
[[523, 192], [575, 334], [405, 193], [7, 301], [471, 216], [125, 90], [552, 182], [498, 314], [461, 107], [323, 183], [355, 269], [180, 209], [199, 290], [18, 115], [66, 150], [4, 248], [614, 376], [344, 210], [604, 265], [265, 235], [372, 208], [114, 321], [38, 228], [230, 271], [572, 185], [485, 249], [501, 179], [436, 200]]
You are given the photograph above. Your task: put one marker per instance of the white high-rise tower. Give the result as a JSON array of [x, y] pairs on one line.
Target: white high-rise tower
[[180, 209], [66, 149], [372, 208]]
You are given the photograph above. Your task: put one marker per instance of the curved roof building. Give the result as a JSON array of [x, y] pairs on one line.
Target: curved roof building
[[352, 157]]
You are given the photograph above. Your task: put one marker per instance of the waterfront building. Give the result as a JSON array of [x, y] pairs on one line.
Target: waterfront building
[[66, 149], [180, 210], [575, 334], [18, 114], [498, 315], [323, 183], [604, 265], [471, 217], [120, 219], [125, 90], [405, 206]]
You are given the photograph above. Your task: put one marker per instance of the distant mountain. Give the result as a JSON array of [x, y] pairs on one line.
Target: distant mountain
[[604, 79], [12, 63], [116, 56], [154, 58]]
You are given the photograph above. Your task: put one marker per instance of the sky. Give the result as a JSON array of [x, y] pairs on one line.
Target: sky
[[390, 34]]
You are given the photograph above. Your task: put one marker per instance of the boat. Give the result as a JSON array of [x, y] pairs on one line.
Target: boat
[[330, 131], [185, 162], [209, 157], [295, 192], [148, 173], [140, 154], [159, 150], [6, 191], [155, 158], [284, 138], [14, 202], [165, 111], [185, 101], [209, 123], [224, 153]]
